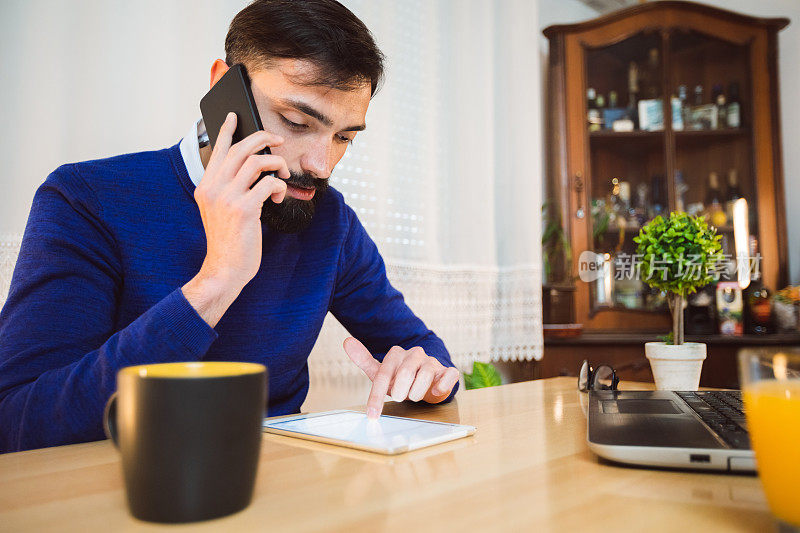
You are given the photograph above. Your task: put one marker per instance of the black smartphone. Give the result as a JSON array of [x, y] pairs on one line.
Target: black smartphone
[[232, 92]]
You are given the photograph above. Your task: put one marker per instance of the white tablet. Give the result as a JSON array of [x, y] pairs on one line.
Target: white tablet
[[388, 434]]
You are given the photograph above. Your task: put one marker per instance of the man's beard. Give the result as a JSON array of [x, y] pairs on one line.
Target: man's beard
[[293, 215]]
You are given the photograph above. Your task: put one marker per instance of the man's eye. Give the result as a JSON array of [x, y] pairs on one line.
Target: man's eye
[[343, 139], [293, 125]]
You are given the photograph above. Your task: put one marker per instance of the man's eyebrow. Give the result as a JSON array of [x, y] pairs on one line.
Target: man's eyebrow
[[311, 112]]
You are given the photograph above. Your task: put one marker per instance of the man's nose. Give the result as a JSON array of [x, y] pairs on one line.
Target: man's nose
[[316, 160]]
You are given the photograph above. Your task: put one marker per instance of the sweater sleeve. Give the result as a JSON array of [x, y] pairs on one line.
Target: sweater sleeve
[[371, 309], [59, 353]]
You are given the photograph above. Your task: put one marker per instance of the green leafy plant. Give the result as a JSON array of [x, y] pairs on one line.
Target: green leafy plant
[[483, 375], [602, 223], [678, 255], [667, 339], [556, 249], [601, 218]]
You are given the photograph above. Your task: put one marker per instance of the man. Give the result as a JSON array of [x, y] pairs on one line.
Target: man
[[171, 256]]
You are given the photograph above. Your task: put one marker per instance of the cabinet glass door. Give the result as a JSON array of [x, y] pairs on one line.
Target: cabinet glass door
[[713, 143], [628, 181]]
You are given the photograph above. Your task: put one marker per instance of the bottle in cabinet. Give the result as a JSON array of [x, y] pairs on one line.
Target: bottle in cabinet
[[640, 206], [593, 114], [601, 104], [692, 119], [758, 308], [703, 116], [700, 313], [624, 203], [733, 193], [722, 107], [633, 93], [734, 114], [615, 208], [677, 112], [651, 76], [628, 293], [683, 97], [713, 202], [698, 95], [680, 190], [757, 298], [658, 201]]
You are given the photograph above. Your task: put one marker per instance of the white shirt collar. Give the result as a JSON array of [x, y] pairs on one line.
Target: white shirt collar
[[190, 151]]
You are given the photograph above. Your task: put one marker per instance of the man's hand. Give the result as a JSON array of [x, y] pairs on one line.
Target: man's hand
[[405, 373], [231, 213]]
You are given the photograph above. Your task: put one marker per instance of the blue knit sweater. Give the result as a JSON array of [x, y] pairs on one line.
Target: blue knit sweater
[[107, 247]]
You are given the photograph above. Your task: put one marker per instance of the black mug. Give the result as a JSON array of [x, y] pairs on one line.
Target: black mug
[[190, 437]]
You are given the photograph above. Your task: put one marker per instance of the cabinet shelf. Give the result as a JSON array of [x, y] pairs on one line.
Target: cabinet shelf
[[712, 134], [679, 134], [637, 134], [627, 141], [626, 229]]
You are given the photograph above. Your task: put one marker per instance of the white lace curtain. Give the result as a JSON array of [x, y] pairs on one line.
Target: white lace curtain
[[447, 176]]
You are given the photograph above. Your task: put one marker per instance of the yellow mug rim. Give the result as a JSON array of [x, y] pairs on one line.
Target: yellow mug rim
[[194, 369]]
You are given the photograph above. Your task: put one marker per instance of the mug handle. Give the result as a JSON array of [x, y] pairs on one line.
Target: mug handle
[[110, 419]]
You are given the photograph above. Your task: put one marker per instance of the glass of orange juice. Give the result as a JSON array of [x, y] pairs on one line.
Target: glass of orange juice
[[770, 380]]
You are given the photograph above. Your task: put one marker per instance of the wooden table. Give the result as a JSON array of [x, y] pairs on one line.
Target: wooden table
[[526, 469]]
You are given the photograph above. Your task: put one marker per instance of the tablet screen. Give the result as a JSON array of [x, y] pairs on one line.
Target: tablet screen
[[389, 434]]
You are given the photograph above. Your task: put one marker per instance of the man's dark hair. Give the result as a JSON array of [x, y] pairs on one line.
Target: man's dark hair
[[321, 31]]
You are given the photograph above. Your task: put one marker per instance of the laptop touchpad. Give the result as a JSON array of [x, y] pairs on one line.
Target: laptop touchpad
[[636, 407]]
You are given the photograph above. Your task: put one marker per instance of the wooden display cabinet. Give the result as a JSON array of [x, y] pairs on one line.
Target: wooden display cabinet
[[693, 44]]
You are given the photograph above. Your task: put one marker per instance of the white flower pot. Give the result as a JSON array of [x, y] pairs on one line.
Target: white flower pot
[[676, 367]]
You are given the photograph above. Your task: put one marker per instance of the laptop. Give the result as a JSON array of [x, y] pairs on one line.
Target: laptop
[[702, 430]]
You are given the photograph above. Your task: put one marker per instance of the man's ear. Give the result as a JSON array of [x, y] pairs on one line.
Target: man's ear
[[218, 69]]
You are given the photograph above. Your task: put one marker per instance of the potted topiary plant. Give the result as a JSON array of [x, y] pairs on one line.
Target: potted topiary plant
[[678, 255]]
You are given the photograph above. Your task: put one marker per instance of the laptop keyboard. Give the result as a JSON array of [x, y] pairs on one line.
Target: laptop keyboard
[[723, 412]]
